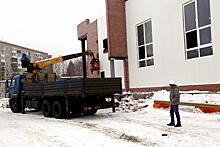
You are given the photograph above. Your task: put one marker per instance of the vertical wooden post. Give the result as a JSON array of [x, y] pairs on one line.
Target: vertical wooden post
[[112, 68], [67, 108], [84, 58], [23, 103], [113, 103], [67, 105]]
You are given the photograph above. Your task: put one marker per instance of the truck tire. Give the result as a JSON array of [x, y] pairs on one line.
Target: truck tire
[[58, 109], [46, 108], [13, 106]]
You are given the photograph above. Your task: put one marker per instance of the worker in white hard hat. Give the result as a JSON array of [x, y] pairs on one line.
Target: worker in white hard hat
[[174, 104]]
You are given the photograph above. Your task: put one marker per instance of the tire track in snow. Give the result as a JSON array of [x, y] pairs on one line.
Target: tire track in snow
[[113, 133], [116, 134]]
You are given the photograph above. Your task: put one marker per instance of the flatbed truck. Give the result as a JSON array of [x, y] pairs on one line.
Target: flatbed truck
[[62, 98]]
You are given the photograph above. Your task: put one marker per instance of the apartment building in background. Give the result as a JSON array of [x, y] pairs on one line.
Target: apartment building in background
[[10, 59]]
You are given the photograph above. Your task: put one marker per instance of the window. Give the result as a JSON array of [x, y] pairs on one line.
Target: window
[[2, 59], [14, 60], [2, 52], [13, 50], [145, 44], [14, 55], [105, 46], [197, 21], [102, 74]]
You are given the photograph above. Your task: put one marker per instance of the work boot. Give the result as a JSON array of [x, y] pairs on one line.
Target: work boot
[[171, 124], [178, 124]]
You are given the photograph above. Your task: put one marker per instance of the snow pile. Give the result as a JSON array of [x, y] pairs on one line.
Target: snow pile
[[134, 102], [131, 102], [4, 103]]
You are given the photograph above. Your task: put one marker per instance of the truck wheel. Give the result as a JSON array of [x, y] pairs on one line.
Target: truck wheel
[[58, 109], [14, 107], [46, 108]]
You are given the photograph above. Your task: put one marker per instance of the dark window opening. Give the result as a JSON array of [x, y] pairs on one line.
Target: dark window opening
[[141, 52], [203, 12], [140, 35], [102, 74], [148, 32], [192, 54], [190, 16], [105, 46], [191, 39], [142, 64], [149, 50], [14, 60], [205, 36], [150, 62], [206, 51]]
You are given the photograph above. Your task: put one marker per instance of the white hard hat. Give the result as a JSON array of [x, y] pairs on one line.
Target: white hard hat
[[172, 82]]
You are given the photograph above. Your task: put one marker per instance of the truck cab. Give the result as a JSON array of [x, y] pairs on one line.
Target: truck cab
[[15, 89]]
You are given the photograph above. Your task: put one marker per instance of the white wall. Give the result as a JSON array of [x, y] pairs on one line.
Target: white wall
[[168, 45], [104, 62]]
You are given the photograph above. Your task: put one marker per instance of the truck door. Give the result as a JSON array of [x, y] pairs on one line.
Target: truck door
[[15, 94], [16, 86], [12, 89]]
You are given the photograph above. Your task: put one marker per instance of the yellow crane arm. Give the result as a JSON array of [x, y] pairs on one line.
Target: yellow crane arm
[[46, 62]]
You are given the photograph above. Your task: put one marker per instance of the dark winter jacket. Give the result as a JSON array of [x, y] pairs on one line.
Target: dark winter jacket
[[174, 95]]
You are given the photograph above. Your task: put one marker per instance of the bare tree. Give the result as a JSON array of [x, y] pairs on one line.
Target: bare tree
[[64, 66], [57, 69], [60, 68], [74, 68]]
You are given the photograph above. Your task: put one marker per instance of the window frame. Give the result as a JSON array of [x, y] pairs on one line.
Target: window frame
[[197, 29], [146, 58]]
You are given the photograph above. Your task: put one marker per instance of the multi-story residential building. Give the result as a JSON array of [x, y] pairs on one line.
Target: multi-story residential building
[[161, 40], [10, 59], [3, 88]]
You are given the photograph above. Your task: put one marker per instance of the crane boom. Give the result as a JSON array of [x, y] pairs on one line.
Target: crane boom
[[37, 66], [51, 61]]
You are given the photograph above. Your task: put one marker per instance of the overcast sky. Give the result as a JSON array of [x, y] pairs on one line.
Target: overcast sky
[[47, 25]]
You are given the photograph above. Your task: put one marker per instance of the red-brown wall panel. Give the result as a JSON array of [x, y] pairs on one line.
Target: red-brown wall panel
[[116, 29]]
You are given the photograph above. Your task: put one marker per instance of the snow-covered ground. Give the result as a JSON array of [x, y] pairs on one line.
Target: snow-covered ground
[[134, 124], [4, 103]]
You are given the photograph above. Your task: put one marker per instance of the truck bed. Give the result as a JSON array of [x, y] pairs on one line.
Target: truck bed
[[77, 87]]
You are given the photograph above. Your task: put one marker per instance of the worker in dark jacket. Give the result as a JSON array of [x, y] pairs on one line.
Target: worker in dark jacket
[[174, 104], [25, 61]]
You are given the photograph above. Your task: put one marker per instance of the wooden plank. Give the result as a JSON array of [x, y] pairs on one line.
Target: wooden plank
[[190, 104]]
